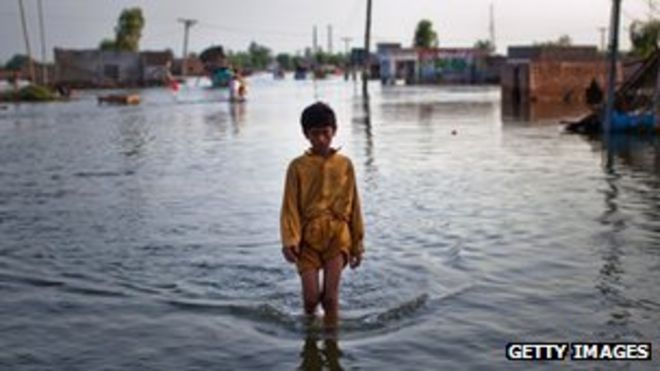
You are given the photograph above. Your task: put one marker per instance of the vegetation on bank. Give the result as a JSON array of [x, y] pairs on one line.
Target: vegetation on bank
[[30, 93]]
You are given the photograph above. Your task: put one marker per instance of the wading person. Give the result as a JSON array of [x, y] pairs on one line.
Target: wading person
[[321, 221]]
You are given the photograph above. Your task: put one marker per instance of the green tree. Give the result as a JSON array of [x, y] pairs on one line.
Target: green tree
[[17, 62], [107, 44], [485, 45], [238, 59], [562, 41], [285, 61], [425, 36], [260, 55], [128, 31], [644, 37]]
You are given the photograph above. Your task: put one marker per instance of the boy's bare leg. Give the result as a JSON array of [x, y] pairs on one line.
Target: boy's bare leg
[[310, 290], [330, 297]]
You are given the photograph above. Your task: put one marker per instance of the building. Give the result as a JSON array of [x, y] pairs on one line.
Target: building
[[156, 66], [436, 65], [551, 74], [107, 68]]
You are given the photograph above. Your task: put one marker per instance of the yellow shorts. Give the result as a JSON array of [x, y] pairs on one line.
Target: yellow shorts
[[323, 239]]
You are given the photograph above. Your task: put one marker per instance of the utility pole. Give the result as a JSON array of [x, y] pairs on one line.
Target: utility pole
[[187, 23], [602, 37], [367, 40], [44, 67], [315, 41], [492, 26], [347, 42], [611, 81], [329, 39], [27, 41]]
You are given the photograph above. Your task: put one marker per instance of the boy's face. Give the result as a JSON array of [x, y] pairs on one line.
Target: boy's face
[[320, 138]]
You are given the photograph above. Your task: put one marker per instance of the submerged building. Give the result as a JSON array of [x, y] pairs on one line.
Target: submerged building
[[437, 65], [551, 74], [106, 68]]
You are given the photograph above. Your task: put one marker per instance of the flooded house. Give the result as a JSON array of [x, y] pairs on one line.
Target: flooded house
[[436, 65], [106, 68], [551, 74]]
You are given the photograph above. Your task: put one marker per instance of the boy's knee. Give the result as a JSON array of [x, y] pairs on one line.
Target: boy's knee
[[310, 305], [330, 302]]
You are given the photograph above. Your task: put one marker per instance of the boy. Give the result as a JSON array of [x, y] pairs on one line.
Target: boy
[[321, 220]]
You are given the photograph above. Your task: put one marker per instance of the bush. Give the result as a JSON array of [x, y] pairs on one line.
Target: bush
[[30, 93]]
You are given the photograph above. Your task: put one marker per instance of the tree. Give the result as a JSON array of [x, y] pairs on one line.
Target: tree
[[127, 32], [17, 62], [484, 45], [644, 37], [129, 29], [562, 41], [425, 36], [260, 55], [285, 61], [107, 44]]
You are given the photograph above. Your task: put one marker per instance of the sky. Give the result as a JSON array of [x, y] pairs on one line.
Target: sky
[[287, 25]]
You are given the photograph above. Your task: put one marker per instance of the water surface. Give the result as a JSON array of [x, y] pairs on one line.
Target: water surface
[[147, 237]]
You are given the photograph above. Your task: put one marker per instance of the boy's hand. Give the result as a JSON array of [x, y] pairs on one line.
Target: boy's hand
[[291, 253], [355, 260]]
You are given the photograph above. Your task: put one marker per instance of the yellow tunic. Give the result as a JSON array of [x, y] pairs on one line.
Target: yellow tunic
[[321, 192]]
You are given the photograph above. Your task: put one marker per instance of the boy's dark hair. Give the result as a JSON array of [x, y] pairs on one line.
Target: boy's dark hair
[[318, 115]]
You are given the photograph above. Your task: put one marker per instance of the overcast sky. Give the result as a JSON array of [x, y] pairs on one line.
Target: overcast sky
[[287, 25]]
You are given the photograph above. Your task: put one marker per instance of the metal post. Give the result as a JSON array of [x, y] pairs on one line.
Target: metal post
[[187, 23], [27, 41], [611, 82], [367, 39], [44, 67]]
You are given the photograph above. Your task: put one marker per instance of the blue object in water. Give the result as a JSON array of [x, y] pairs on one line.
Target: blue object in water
[[221, 77], [625, 121]]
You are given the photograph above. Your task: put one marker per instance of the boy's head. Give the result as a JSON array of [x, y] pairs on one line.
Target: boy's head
[[319, 126], [318, 115]]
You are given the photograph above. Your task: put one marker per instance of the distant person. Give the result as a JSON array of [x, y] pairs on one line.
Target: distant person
[[237, 89], [594, 94], [321, 221]]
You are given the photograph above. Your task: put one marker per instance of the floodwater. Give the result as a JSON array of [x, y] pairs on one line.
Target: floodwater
[[146, 237]]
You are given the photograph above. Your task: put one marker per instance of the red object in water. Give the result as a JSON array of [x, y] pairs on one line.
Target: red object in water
[[174, 85]]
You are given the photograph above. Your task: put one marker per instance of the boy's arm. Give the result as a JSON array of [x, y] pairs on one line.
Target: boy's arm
[[290, 228], [356, 224]]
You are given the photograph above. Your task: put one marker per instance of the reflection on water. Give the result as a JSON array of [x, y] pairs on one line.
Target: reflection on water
[[540, 111], [324, 357], [625, 156]]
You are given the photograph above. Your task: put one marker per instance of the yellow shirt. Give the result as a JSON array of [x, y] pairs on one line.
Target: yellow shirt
[[317, 186]]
